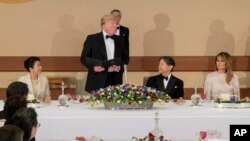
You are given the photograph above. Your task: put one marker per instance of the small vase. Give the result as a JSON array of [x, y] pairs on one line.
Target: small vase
[[195, 99], [63, 99]]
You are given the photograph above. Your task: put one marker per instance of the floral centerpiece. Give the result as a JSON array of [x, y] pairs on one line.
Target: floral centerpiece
[[233, 100], [233, 103], [128, 96], [32, 102], [31, 99]]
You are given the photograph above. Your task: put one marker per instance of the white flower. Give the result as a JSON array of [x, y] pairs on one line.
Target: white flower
[[140, 102], [30, 97], [134, 139], [160, 100], [98, 102]]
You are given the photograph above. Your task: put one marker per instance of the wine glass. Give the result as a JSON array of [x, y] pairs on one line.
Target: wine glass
[[75, 98], [211, 134], [218, 135], [79, 98], [203, 135], [203, 96]]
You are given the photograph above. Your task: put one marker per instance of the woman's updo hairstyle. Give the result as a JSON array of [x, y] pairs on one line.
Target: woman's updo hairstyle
[[29, 62]]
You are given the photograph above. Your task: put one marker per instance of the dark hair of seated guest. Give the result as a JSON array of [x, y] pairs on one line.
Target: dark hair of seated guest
[[12, 104], [169, 61], [26, 119], [17, 88], [30, 62], [11, 133]]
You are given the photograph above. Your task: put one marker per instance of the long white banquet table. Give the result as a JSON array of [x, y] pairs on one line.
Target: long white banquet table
[[178, 122]]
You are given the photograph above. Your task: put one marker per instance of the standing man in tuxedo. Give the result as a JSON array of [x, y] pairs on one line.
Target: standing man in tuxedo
[[166, 81], [103, 46], [121, 31]]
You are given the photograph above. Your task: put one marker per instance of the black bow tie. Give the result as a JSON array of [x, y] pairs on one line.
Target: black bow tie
[[111, 37], [118, 27], [163, 77]]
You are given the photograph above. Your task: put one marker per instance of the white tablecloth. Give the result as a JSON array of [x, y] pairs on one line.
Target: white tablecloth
[[178, 122]]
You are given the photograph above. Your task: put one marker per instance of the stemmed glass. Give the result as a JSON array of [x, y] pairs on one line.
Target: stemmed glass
[[211, 134], [218, 135], [203, 135], [75, 98], [203, 96]]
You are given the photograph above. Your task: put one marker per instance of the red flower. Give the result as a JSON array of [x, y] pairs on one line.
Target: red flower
[[81, 100], [80, 139], [150, 136], [161, 138]]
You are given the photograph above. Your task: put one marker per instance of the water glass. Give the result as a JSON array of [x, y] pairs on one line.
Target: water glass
[[211, 134]]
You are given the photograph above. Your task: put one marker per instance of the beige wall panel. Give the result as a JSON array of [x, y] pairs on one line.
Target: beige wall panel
[[170, 27]]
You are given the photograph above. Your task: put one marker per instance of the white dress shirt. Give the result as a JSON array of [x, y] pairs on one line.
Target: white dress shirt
[[118, 31], [166, 81], [110, 46]]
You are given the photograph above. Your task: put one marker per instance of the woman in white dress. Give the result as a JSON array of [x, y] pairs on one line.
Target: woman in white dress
[[223, 81], [37, 83]]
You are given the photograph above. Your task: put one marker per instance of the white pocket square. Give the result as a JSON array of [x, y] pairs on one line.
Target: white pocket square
[[175, 86]]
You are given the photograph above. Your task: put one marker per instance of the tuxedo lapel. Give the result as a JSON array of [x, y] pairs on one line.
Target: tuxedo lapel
[[160, 83], [171, 83], [116, 41], [101, 44], [122, 31]]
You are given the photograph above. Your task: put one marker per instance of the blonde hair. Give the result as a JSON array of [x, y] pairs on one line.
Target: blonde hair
[[106, 18], [228, 62]]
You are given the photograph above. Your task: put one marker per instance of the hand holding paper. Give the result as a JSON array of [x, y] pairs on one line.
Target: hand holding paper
[[103, 64], [114, 68], [98, 69]]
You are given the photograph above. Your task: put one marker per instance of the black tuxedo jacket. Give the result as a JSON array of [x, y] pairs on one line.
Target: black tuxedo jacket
[[94, 47], [2, 114], [174, 88], [124, 33]]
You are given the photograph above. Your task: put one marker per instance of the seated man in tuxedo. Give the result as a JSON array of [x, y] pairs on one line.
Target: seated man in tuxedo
[[103, 46], [166, 81]]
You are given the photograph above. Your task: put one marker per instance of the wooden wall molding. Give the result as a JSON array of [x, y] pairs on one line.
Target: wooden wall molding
[[137, 63]]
